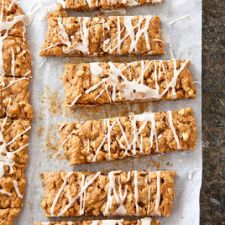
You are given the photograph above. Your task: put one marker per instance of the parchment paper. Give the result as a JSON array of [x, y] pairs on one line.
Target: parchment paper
[[181, 24]]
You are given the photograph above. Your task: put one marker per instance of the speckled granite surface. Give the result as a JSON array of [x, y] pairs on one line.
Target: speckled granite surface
[[213, 188]]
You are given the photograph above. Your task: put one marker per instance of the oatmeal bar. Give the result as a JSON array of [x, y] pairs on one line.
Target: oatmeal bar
[[106, 194], [133, 136], [14, 98], [144, 221], [13, 161], [95, 36], [15, 58], [89, 84], [12, 19], [84, 5]]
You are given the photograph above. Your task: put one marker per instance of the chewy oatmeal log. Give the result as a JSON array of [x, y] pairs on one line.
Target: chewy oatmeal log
[[144, 221], [13, 161], [95, 36], [84, 5], [133, 136], [14, 98], [115, 193], [88, 84]]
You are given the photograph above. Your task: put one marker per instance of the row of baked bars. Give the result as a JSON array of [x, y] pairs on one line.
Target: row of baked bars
[[15, 110], [89, 84]]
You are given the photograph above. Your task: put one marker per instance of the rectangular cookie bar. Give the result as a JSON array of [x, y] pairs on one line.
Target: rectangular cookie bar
[[95, 36], [89, 84], [13, 161], [84, 5], [13, 20], [133, 136], [15, 58], [106, 194], [144, 221], [14, 98]]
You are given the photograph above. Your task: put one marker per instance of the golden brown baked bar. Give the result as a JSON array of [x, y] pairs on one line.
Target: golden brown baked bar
[[14, 98], [144, 221], [12, 19], [115, 193], [133, 136], [15, 58], [13, 161], [87, 5], [89, 84], [113, 35]]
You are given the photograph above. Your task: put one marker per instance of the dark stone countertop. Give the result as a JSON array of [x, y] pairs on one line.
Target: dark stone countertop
[[213, 187]]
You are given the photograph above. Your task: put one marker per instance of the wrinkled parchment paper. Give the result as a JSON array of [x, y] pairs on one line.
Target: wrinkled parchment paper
[[181, 24]]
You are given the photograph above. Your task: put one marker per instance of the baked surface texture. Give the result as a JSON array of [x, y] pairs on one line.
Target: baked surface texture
[[146, 221], [96, 36], [115, 193], [15, 58], [89, 84], [133, 136], [15, 110], [82, 5], [14, 98], [14, 158]]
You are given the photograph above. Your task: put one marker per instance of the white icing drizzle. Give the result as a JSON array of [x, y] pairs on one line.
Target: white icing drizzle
[[130, 29], [158, 193], [146, 221], [179, 19], [124, 89], [16, 187], [12, 82], [96, 69], [112, 194], [84, 33], [71, 200], [170, 117], [52, 209], [6, 157]]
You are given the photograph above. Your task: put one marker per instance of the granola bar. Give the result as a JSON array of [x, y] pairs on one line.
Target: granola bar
[[144, 221], [133, 136], [13, 161], [89, 84], [12, 19], [84, 5], [14, 98], [15, 57], [95, 36], [115, 193]]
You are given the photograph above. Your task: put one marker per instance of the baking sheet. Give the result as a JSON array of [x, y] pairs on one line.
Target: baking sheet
[[181, 24]]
